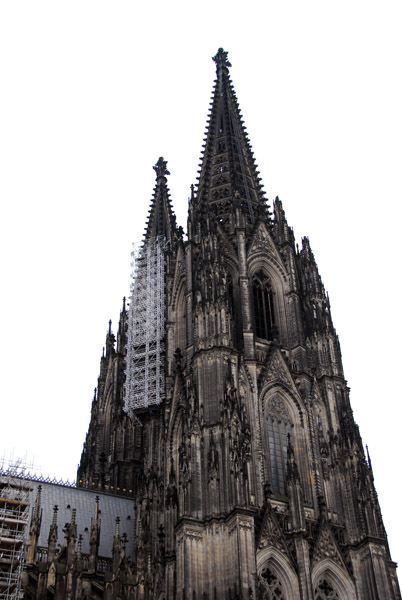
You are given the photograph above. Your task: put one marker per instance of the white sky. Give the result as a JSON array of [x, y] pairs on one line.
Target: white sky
[[92, 93]]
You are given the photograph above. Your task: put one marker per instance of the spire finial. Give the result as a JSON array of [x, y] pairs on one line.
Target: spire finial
[[222, 64], [221, 59], [160, 168], [36, 510], [117, 527], [55, 510], [96, 514], [368, 457]]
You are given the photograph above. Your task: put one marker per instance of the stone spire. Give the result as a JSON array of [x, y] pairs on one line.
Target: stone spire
[[116, 550], [34, 529], [228, 176], [110, 341], [52, 539], [315, 299], [161, 220], [94, 538]]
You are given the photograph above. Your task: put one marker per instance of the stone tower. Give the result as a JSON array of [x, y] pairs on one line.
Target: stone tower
[[224, 404]]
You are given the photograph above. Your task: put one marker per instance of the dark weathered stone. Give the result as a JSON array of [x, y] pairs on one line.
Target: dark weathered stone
[[250, 479]]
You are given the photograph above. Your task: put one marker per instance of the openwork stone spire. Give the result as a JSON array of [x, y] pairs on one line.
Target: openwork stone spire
[[161, 221], [222, 64], [228, 174]]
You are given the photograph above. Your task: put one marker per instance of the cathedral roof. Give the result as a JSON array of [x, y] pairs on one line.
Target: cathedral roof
[[228, 173], [68, 498]]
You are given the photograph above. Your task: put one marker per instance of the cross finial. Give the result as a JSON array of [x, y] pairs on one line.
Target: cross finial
[[160, 168], [221, 59]]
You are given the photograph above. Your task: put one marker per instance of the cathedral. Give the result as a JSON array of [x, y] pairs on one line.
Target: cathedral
[[222, 414]]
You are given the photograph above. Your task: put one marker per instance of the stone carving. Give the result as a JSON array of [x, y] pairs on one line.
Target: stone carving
[[327, 547], [262, 243], [270, 586], [276, 410], [325, 591], [272, 534], [276, 371]]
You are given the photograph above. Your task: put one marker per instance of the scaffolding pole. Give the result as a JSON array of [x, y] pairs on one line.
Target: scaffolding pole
[[14, 516], [145, 377]]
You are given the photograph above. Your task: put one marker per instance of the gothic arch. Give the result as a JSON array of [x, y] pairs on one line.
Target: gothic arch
[[272, 267], [279, 428], [270, 558], [292, 403], [261, 266], [335, 577]]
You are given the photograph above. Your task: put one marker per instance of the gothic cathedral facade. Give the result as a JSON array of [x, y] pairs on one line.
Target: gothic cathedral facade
[[223, 404]]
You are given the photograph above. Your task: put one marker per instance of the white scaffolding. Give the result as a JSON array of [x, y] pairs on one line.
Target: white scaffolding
[[14, 516], [145, 377]]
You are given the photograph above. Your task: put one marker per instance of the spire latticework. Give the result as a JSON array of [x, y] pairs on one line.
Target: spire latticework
[[228, 174], [161, 220]]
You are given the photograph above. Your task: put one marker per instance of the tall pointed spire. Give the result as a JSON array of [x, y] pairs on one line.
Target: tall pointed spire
[[228, 173], [52, 539], [94, 538], [34, 529], [161, 220]]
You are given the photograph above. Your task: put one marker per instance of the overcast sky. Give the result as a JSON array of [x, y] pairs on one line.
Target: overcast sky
[[92, 93]]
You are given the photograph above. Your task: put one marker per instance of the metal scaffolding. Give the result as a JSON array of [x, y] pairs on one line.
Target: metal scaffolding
[[14, 516], [145, 377]]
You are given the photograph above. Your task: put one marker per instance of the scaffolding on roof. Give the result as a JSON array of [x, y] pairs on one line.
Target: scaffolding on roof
[[145, 376], [14, 516]]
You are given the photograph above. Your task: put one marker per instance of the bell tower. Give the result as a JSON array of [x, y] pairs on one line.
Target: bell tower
[[249, 473]]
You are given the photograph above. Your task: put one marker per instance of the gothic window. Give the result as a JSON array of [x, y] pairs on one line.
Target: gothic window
[[263, 306], [180, 329], [270, 586], [325, 591], [279, 427]]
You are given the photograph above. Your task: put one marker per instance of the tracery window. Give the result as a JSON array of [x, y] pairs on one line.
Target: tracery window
[[325, 591], [263, 306], [279, 428], [270, 586]]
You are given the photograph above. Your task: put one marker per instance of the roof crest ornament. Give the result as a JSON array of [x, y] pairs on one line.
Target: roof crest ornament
[[160, 168], [221, 61]]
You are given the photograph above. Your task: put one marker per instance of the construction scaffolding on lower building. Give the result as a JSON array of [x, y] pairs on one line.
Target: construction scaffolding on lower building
[[14, 518], [145, 377]]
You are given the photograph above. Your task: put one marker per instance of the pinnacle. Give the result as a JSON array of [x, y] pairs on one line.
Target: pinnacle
[[160, 168], [161, 221], [221, 59], [227, 169]]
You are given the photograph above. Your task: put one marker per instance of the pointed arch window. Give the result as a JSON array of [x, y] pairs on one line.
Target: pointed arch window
[[279, 428], [263, 306], [325, 591], [270, 586]]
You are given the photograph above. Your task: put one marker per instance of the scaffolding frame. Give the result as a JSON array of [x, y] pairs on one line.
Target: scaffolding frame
[[14, 517], [145, 373]]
